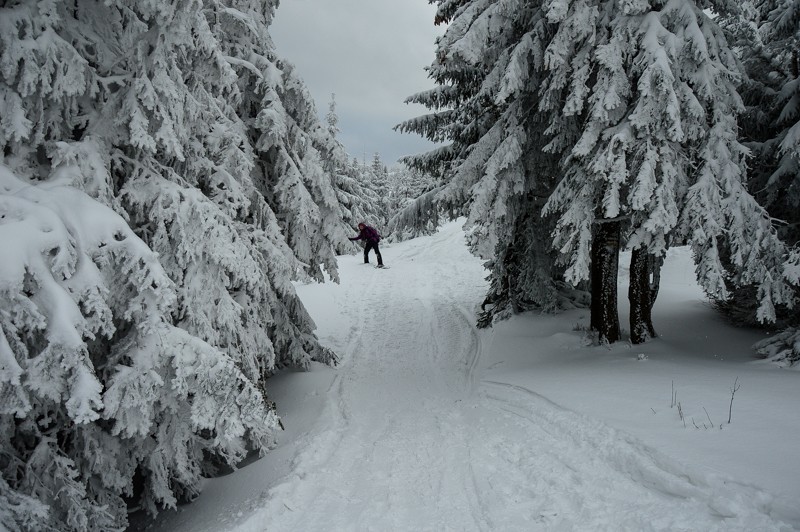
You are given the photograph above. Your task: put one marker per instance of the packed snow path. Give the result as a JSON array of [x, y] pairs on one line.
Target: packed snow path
[[411, 437]]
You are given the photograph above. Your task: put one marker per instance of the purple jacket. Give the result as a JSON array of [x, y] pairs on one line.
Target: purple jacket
[[369, 234]]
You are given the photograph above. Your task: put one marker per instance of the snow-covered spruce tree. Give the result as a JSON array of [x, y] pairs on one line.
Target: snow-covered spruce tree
[[96, 383], [358, 202], [289, 142], [43, 77], [186, 157], [142, 102], [488, 69], [421, 216], [784, 347], [757, 258], [657, 160], [331, 118], [780, 30], [363, 194], [163, 126], [181, 164], [767, 35], [406, 185], [375, 178]]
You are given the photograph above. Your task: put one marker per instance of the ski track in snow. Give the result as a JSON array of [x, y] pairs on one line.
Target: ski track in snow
[[413, 439]]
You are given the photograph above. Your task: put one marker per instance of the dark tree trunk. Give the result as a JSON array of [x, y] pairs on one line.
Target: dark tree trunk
[[642, 293], [605, 263]]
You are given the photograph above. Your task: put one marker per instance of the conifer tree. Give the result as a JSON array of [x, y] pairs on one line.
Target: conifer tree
[[781, 32], [97, 384], [180, 117], [357, 196], [488, 68], [377, 177], [406, 184], [657, 150], [332, 119], [626, 112], [294, 180], [406, 187], [767, 35], [358, 202]]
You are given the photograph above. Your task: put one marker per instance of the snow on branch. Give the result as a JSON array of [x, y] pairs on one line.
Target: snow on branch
[[86, 338]]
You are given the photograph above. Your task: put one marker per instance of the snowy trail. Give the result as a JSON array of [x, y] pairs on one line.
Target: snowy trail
[[393, 443], [412, 438]]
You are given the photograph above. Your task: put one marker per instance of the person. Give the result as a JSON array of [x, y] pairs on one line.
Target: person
[[371, 237]]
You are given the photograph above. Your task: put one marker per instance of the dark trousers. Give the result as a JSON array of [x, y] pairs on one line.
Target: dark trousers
[[369, 246]]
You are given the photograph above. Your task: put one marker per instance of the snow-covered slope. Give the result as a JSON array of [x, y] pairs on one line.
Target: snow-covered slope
[[430, 424]]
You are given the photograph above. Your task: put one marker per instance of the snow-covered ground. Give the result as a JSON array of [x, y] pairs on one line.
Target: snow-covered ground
[[430, 424]]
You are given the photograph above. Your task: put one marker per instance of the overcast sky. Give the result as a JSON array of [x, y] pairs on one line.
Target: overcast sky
[[372, 55]]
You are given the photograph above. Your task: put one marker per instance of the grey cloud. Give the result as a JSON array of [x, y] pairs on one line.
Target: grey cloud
[[372, 54]]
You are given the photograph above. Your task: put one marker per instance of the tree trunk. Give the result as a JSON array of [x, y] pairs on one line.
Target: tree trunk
[[645, 279], [605, 263]]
